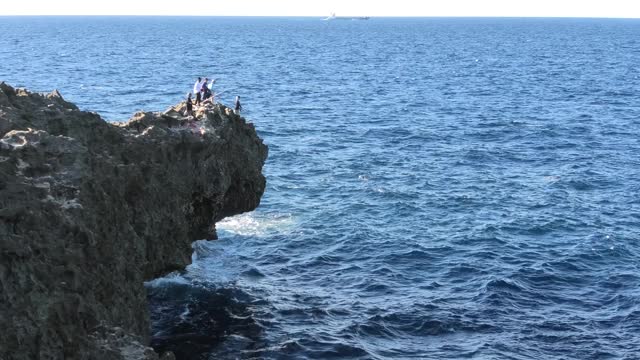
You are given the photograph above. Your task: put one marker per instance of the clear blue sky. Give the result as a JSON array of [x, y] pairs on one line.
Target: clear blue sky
[[563, 8]]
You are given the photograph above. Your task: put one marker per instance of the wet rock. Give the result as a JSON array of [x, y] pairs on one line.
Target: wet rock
[[89, 210]]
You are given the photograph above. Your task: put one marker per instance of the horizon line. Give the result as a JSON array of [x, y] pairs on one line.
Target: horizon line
[[321, 16]]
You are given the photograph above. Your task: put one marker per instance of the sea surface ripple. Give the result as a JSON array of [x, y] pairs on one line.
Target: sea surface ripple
[[437, 188]]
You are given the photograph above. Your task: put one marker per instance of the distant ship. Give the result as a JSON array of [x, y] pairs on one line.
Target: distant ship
[[334, 17]]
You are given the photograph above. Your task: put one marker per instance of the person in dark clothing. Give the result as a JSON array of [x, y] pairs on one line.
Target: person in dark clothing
[[206, 92], [238, 106], [189, 105]]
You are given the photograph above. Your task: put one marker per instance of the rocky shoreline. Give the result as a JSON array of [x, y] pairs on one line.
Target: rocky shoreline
[[89, 210]]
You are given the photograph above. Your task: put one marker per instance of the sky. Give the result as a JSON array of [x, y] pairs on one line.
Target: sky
[[537, 8]]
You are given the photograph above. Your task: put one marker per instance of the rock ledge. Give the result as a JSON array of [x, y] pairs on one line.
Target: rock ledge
[[89, 210]]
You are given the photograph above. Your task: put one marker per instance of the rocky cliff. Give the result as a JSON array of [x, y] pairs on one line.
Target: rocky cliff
[[89, 210]]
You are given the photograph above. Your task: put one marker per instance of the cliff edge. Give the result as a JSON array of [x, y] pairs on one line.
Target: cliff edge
[[89, 210]]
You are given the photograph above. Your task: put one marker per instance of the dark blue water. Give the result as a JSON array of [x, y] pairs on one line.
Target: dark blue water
[[437, 188]]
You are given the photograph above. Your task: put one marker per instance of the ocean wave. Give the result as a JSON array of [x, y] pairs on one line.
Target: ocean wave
[[257, 224]]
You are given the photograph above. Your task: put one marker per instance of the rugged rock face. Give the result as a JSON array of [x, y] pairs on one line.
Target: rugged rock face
[[89, 210]]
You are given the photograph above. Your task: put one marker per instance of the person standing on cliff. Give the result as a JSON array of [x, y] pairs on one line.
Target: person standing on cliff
[[206, 93], [189, 105], [197, 88], [237, 106]]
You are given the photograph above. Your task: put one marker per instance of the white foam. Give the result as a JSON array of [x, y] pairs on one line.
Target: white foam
[[254, 224], [551, 179], [173, 278]]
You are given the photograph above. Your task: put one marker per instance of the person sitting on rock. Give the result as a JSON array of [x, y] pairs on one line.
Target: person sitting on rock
[[212, 99]]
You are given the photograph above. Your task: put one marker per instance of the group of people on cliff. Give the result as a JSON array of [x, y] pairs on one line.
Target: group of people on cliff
[[204, 94]]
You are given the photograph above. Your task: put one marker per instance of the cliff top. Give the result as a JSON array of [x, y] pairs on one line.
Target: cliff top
[[89, 210]]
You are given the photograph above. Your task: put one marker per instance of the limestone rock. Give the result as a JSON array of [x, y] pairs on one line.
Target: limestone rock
[[89, 210]]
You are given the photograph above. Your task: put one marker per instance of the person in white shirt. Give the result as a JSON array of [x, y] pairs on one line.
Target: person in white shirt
[[197, 88], [208, 93]]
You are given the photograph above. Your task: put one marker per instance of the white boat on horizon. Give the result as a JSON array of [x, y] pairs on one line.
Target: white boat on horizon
[[334, 17]]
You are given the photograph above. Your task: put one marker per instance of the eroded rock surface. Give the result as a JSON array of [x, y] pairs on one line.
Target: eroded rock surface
[[89, 210]]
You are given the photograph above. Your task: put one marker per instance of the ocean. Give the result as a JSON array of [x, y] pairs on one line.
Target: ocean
[[438, 188]]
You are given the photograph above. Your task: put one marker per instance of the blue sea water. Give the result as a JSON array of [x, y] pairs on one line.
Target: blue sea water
[[437, 188]]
